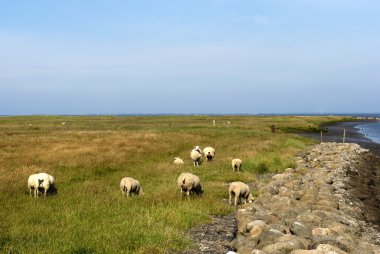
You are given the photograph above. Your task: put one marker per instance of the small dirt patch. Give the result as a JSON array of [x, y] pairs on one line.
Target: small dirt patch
[[214, 237]]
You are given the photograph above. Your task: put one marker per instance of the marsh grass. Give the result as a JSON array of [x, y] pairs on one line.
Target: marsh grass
[[88, 155]]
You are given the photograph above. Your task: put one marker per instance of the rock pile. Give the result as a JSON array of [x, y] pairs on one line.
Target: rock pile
[[313, 209]]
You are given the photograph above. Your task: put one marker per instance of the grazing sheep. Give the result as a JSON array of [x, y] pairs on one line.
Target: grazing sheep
[[239, 190], [129, 185], [178, 161], [41, 182], [209, 152], [196, 155], [236, 164], [33, 184], [189, 183]]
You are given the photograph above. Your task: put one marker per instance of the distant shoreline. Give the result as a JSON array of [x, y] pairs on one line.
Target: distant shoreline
[[333, 132], [360, 116]]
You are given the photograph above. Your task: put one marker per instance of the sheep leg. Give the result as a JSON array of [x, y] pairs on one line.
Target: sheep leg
[[237, 197], [230, 199]]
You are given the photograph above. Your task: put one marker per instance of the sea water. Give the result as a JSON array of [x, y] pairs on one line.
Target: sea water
[[371, 131]]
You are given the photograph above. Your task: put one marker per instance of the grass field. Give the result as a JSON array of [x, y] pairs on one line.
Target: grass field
[[88, 156]]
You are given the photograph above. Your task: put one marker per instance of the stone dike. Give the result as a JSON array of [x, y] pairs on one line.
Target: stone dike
[[328, 204]]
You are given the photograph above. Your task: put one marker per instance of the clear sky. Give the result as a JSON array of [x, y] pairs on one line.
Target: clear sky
[[189, 56]]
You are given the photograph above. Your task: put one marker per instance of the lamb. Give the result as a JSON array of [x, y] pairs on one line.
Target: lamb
[[41, 182], [189, 184], [178, 161], [196, 155], [129, 185], [239, 190], [236, 164], [209, 152]]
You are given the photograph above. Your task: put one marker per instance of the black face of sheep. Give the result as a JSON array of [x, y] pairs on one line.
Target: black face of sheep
[[209, 157]]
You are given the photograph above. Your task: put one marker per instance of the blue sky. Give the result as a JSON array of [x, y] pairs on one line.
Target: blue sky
[[210, 56]]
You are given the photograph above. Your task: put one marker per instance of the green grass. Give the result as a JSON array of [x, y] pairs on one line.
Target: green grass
[[88, 155]]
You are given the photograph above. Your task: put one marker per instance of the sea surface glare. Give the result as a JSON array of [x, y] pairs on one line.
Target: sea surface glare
[[371, 131]]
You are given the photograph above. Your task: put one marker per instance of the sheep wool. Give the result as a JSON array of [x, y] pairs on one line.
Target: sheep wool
[[33, 184], [178, 161], [129, 186], [209, 152], [238, 191], [189, 184], [41, 182], [236, 164], [196, 155]]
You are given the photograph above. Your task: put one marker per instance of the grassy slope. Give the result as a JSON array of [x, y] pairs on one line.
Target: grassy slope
[[89, 155]]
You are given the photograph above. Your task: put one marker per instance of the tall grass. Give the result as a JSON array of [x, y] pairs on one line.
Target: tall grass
[[88, 157]]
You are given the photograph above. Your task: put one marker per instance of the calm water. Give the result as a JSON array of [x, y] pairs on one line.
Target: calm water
[[371, 131]]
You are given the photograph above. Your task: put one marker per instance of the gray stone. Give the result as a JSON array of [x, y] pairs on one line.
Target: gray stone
[[267, 237], [309, 218], [281, 227], [300, 229], [305, 242], [323, 232], [254, 223], [283, 247], [244, 250], [272, 187], [258, 252], [256, 231], [318, 240], [294, 184], [310, 210], [240, 241], [366, 248], [330, 249], [305, 252], [283, 176]]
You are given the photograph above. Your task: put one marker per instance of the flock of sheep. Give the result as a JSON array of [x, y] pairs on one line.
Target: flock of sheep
[[187, 182]]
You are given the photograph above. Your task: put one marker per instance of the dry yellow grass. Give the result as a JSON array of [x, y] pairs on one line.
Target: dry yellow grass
[[89, 155]]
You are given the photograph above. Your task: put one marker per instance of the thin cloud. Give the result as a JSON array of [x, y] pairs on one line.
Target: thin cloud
[[257, 19]]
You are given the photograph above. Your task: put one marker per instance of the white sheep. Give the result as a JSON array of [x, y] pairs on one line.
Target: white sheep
[[178, 161], [209, 152], [129, 185], [189, 184], [41, 182], [196, 155], [33, 184], [239, 190], [236, 164]]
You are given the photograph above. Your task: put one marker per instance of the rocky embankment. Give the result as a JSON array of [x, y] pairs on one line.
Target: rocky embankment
[[328, 204]]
